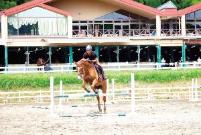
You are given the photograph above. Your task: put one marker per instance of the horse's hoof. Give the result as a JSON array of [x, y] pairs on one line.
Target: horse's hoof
[[100, 110], [88, 91], [105, 111]]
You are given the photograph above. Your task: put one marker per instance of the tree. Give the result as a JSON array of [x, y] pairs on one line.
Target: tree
[[182, 3], [4, 4], [179, 3], [196, 1]]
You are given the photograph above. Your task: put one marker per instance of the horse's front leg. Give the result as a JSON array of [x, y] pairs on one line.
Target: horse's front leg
[[84, 87], [93, 87]]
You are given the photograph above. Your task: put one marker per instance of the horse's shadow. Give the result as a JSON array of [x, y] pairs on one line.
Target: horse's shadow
[[94, 114]]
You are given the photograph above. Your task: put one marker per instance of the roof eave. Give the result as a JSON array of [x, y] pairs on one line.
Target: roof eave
[[23, 7], [190, 9]]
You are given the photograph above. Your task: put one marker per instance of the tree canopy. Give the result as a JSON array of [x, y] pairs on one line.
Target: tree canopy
[[179, 3], [4, 4]]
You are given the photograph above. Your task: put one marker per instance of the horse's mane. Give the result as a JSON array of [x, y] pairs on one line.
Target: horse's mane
[[86, 63]]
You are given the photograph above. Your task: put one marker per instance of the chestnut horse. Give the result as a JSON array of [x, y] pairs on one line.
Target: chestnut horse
[[86, 70]]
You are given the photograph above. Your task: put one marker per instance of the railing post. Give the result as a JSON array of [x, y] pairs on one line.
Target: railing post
[[158, 56], [183, 55], [117, 52], [6, 57], [71, 55], [50, 55], [97, 51], [138, 56]]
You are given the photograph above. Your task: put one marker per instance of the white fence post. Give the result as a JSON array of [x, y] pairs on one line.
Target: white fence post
[[19, 95], [60, 94], [191, 95], [108, 89], [196, 89], [52, 94], [41, 100], [113, 91], [132, 93]]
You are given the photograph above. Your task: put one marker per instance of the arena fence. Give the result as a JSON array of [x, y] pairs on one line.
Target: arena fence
[[191, 93], [107, 67]]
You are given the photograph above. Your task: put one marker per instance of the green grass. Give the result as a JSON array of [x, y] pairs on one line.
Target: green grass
[[41, 80]]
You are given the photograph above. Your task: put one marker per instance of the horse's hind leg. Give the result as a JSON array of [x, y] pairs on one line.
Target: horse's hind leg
[[96, 92], [104, 91], [99, 105]]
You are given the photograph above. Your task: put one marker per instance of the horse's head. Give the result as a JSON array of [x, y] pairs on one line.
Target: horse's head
[[80, 65]]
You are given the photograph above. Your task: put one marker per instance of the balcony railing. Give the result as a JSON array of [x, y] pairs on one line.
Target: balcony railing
[[114, 33], [193, 32], [170, 32]]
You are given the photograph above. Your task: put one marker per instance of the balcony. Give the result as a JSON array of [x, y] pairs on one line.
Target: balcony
[[114, 33]]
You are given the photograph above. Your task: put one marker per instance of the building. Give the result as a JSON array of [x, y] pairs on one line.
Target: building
[[119, 30]]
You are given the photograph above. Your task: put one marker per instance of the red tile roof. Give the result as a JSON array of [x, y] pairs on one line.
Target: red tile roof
[[129, 3], [35, 3], [24, 7], [190, 9], [170, 12]]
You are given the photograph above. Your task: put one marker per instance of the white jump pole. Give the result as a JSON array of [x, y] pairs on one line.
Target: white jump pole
[[132, 93], [113, 89], [52, 95]]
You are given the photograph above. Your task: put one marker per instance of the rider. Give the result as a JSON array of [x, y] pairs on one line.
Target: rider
[[90, 55]]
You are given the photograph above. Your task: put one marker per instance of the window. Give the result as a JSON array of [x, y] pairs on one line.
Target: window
[[120, 15], [198, 15], [190, 16], [37, 21]]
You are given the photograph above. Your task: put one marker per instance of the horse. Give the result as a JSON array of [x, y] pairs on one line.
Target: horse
[[41, 62], [87, 72]]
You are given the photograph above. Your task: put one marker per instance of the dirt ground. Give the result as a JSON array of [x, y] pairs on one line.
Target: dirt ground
[[153, 118]]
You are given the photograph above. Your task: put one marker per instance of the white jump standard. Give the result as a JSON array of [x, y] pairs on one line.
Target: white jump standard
[[61, 96]]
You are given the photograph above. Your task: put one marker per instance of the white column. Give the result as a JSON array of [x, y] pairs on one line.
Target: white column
[[4, 28], [183, 25], [70, 26], [158, 25]]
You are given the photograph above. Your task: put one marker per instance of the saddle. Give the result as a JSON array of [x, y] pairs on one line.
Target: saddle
[[99, 70]]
